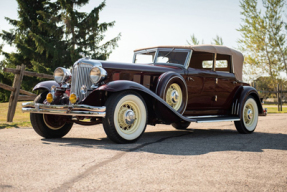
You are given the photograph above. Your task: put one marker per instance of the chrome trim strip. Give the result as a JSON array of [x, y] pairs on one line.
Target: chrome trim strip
[[238, 109], [218, 120], [204, 116], [74, 110]]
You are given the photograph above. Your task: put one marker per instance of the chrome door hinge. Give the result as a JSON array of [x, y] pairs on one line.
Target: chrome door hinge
[[215, 98]]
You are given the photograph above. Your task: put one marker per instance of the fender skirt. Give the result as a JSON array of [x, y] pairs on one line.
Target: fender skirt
[[161, 108], [241, 96], [46, 85]]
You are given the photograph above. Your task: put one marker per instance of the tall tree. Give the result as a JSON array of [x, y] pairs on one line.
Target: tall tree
[[49, 34], [259, 42], [83, 32]]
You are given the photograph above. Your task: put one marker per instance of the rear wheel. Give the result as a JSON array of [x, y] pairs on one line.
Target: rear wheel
[[49, 126], [249, 119], [126, 117]]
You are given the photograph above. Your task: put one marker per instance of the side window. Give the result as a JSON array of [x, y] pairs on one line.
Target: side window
[[223, 63], [201, 60]]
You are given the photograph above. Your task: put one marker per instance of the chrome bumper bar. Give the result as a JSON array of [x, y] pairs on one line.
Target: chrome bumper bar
[[72, 110]]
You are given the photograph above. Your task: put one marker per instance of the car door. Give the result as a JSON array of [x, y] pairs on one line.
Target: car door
[[226, 82], [200, 82]]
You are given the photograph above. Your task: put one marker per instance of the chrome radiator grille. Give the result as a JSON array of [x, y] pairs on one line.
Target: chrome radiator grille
[[81, 76]]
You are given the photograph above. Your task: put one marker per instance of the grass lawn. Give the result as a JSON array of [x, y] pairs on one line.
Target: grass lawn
[[20, 119], [23, 119]]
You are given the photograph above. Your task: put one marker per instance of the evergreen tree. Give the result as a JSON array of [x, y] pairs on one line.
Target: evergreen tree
[[49, 34]]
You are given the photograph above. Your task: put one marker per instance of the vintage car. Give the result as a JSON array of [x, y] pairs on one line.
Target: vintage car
[[164, 85]]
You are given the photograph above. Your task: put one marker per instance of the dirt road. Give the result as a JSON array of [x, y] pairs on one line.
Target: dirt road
[[206, 157]]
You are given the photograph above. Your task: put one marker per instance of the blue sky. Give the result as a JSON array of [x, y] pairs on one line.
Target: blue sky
[[161, 22]]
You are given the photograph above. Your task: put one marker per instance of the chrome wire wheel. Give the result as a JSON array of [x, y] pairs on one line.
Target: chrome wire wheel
[[130, 117], [174, 96], [249, 117]]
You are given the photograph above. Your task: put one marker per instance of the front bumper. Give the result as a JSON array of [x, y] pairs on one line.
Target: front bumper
[[71, 110]]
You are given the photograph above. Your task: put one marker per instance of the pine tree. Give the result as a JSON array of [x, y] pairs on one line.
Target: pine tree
[[50, 34], [84, 33]]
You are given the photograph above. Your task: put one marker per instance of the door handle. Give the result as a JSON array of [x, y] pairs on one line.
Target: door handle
[[190, 79], [234, 82]]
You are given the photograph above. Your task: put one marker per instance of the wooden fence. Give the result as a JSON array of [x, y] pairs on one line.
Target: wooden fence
[[15, 89], [279, 93]]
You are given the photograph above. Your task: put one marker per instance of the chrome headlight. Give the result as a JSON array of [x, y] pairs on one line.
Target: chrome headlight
[[62, 75], [97, 74]]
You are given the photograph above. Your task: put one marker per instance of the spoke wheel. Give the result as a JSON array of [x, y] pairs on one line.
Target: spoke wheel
[[249, 119], [126, 117], [54, 122], [174, 96], [49, 126]]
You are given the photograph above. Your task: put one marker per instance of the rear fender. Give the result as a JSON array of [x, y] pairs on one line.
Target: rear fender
[[241, 96], [170, 115], [46, 85]]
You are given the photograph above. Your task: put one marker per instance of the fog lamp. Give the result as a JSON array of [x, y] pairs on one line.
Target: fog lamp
[[49, 98], [73, 98]]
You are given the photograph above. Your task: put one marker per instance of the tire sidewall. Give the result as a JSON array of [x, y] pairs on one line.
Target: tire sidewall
[[143, 115], [250, 128]]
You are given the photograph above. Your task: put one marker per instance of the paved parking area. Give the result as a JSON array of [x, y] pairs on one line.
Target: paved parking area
[[206, 157]]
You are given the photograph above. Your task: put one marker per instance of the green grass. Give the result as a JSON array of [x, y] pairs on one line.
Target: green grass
[[274, 109], [20, 119]]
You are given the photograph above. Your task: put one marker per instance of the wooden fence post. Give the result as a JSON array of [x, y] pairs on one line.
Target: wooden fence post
[[14, 94]]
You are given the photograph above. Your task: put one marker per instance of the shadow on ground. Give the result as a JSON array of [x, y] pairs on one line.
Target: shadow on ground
[[5, 126], [188, 142]]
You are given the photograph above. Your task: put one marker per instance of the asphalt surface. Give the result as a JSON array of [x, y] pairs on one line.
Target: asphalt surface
[[206, 157]]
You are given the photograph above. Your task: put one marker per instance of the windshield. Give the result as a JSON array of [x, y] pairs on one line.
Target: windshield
[[162, 56], [172, 56], [145, 57]]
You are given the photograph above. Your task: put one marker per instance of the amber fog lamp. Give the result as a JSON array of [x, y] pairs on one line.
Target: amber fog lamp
[[73, 98], [49, 98], [97, 74]]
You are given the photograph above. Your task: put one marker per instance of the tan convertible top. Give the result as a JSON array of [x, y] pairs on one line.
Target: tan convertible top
[[237, 57]]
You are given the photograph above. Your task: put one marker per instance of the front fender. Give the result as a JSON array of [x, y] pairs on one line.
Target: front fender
[[241, 96], [170, 115], [46, 85]]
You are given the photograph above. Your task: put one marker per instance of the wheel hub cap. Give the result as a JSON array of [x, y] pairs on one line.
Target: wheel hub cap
[[129, 117], [174, 96], [249, 114]]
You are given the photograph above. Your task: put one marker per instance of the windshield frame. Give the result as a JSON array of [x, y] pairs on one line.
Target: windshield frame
[[185, 65]]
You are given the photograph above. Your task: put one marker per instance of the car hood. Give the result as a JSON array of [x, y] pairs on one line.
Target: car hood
[[140, 67]]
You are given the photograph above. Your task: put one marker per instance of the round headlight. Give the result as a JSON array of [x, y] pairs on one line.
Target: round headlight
[[62, 75], [97, 74]]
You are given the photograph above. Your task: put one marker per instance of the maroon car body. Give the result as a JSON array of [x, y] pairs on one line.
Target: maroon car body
[[178, 85]]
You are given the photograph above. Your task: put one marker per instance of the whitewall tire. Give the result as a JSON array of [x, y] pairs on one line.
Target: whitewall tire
[[249, 119], [126, 117]]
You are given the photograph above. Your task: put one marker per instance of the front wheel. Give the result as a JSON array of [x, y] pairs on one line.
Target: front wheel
[[126, 117], [249, 119], [49, 126]]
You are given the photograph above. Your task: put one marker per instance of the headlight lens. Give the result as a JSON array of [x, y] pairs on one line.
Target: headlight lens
[[62, 75], [97, 74]]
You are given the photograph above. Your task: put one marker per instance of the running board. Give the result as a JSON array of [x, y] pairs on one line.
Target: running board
[[214, 119]]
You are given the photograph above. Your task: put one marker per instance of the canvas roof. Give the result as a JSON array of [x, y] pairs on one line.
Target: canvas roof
[[237, 57]]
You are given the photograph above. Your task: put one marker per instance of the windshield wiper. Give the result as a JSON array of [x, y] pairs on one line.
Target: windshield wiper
[[169, 52]]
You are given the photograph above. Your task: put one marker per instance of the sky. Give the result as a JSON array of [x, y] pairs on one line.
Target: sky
[[156, 22]]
